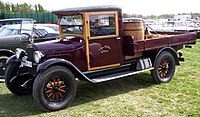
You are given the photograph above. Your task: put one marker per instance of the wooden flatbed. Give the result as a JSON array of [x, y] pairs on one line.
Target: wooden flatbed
[[165, 40]]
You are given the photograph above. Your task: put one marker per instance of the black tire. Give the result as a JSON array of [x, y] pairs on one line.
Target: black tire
[[164, 68], [55, 88], [3, 60], [15, 87]]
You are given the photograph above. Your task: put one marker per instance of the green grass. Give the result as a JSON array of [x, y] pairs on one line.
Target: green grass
[[131, 96]]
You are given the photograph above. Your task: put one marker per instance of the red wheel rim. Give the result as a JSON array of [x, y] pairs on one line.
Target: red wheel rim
[[164, 68], [56, 89]]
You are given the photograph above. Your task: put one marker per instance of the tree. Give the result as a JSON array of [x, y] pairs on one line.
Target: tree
[[2, 7], [36, 9], [21, 8], [41, 9]]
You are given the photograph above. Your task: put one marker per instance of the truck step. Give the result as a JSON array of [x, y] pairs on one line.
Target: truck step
[[118, 75]]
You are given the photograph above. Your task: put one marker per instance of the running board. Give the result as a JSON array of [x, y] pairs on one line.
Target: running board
[[118, 75]]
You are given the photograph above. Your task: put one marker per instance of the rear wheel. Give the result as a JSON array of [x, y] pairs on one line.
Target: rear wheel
[[14, 81], [55, 88], [164, 67]]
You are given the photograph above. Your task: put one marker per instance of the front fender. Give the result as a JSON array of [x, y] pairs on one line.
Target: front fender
[[62, 62], [11, 59]]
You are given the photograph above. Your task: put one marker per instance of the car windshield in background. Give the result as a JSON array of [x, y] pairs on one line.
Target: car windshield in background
[[72, 24]]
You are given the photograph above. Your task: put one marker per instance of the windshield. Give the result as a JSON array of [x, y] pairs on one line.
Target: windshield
[[71, 24]]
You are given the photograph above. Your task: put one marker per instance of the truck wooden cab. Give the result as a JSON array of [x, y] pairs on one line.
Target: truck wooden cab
[[95, 46]]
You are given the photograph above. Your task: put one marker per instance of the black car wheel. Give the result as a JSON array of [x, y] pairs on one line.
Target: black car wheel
[[164, 68], [15, 85], [55, 88]]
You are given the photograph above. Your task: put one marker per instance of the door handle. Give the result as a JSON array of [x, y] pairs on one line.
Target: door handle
[[118, 38]]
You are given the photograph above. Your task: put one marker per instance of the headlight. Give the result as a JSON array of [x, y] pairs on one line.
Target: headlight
[[19, 53], [38, 56]]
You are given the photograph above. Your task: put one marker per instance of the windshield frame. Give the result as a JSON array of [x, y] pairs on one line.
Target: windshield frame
[[62, 34]]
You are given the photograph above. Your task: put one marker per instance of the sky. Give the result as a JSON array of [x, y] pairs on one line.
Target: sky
[[143, 7]]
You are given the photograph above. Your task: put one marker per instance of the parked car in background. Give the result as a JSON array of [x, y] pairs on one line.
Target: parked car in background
[[20, 35], [191, 27], [9, 30], [196, 27], [55, 27], [156, 25], [9, 21], [171, 26]]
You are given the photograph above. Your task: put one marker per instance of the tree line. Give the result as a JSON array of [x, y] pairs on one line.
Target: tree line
[[21, 8]]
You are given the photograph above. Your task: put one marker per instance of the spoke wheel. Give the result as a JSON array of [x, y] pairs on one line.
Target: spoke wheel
[[55, 88], [164, 67]]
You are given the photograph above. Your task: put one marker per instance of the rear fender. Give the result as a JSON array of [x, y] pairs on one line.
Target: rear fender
[[172, 51], [62, 62]]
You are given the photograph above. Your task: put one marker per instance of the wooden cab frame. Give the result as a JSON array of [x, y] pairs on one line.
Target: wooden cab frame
[[86, 13]]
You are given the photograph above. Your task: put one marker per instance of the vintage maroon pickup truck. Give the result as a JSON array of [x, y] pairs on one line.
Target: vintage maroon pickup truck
[[96, 45]]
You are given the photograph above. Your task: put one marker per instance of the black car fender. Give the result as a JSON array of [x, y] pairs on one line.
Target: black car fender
[[172, 51], [62, 62], [6, 52], [11, 59]]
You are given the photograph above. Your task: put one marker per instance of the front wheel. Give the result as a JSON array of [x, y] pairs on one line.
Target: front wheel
[[164, 67], [55, 88]]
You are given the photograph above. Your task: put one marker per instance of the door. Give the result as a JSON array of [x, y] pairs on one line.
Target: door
[[104, 47]]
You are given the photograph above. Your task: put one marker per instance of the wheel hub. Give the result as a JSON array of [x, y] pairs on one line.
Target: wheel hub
[[164, 68], [56, 89]]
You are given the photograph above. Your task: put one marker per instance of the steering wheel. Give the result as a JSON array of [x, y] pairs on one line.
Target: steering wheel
[[80, 28], [93, 30]]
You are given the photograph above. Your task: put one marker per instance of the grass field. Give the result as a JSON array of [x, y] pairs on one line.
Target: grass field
[[131, 96]]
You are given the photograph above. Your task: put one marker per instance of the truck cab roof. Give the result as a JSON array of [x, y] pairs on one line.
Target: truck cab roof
[[88, 9]]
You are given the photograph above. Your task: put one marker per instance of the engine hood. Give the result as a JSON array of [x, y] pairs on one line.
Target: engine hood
[[60, 47]]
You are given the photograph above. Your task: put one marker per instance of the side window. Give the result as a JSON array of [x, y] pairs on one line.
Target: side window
[[102, 25]]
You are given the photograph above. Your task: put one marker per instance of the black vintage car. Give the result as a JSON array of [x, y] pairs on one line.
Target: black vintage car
[[18, 33]]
